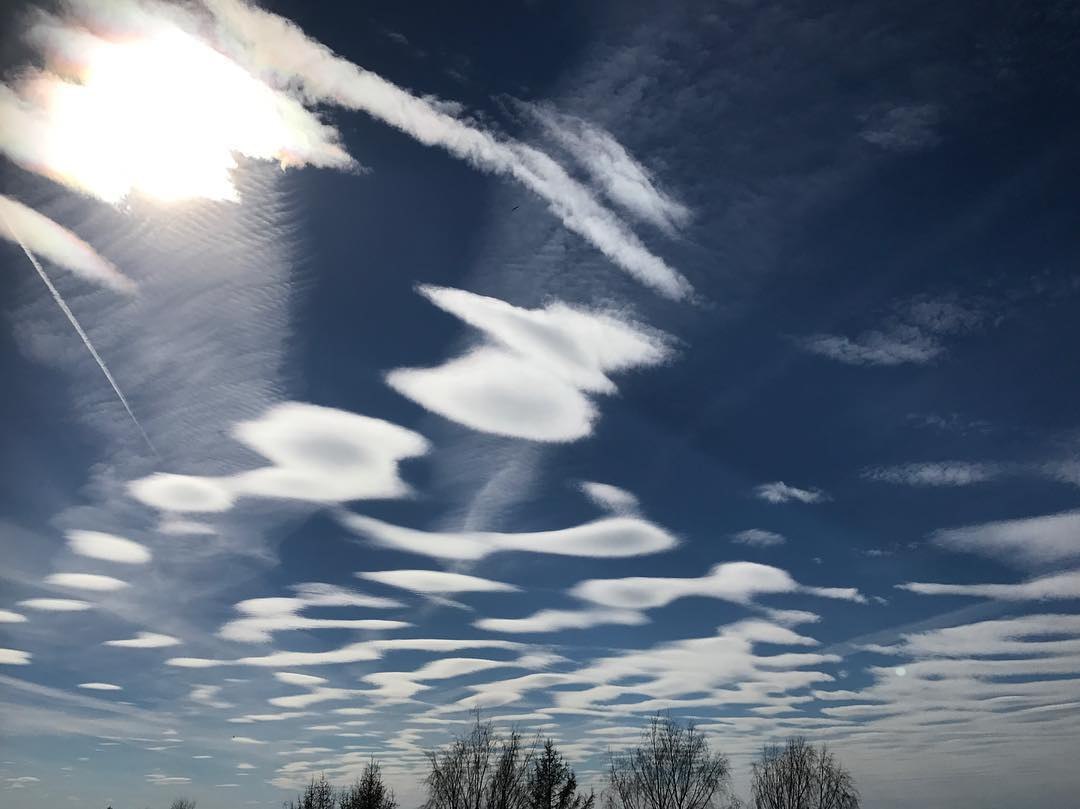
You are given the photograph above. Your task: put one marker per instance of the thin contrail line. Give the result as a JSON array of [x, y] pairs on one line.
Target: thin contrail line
[[86, 340]]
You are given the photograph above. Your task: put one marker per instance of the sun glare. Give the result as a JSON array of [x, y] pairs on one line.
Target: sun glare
[[163, 115]]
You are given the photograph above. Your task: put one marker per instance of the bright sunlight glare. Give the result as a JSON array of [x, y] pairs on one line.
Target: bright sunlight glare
[[164, 115]]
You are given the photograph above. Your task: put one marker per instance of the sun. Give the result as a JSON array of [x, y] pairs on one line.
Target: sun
[[161, 114]]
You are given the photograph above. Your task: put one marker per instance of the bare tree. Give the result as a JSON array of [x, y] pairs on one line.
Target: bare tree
[[480, 770], [182, 803], [672, 767], [801, 776], [553, 785], [369, 791]]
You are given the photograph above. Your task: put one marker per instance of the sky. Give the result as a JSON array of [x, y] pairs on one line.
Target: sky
[[369, 364]]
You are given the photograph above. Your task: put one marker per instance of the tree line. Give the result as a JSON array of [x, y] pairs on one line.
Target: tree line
[[671, 767]]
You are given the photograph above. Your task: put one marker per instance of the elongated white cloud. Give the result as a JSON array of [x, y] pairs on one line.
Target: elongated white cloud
[[56, 604], [533, 375], [44, 237], [1026, 541], [556, 620], [437, 582], [607, 538], [9, 617], [111, 548], [157, 111], [609, 497], [262, 617], [100, 687], [623, 179], [758, 538], [86, 581], [350, 653], [1055, 586], [318, 454], [739, 582], [780, 492], [275, 49], [14, 657], [145, 640]]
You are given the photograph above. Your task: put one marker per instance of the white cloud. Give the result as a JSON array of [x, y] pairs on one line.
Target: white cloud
[[9, 617], [14, 657], [208, 695], [1026, 541], [86, 581], [100, 687], [318, 454], [45, 238], [941, 473], [1054, 586], [437, 582], [610, 497], [56, 604], [555, 620], [758, 538], [622, 178], [739, 582], [262, 617], [532, 375], [177, 527], [111, 548], [246, 740], [277, 48], [780, 492], [876, 347], [145, 640], [606, 538], [902, 127]]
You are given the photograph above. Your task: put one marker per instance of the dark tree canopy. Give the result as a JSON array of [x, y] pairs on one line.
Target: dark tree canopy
[[552, 784], [181, 803], [672, 767], [801, 776], [369, 791]]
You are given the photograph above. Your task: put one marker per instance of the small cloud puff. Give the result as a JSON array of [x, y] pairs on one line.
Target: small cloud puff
[[610, 497], [758, 538], [437, 582], [100, 687], [780, 492], [145, 640]]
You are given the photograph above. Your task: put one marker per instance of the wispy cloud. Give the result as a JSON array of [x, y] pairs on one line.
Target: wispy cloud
[[557, 620], [623, 179], [610, 497], [902, 127], [1054, 586], [758, 538], [936, 473], [1026, 541], [274, 48], [780, 492]]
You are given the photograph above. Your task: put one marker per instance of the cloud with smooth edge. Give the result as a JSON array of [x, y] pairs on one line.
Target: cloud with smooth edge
[[14, 657], [739, 582], [611, 498], [86, 581], [534, 373], [557, 620], [318, 455], [1044, 588], [56, 604], [145, 640], [108, 547], [100, 687], [436, 582], [611, 537]]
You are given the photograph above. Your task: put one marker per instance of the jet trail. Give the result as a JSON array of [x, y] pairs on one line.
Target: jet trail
[[79, 329]]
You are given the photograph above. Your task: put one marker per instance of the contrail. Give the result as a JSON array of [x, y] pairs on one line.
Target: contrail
[[86, 340]]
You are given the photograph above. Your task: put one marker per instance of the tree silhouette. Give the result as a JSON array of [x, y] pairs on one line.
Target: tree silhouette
[[801, 776]]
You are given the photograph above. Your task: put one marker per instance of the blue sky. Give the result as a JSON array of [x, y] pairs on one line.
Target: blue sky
[[571, 362]]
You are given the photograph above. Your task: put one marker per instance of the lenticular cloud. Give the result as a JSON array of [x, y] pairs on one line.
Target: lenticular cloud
[[532, 375]]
